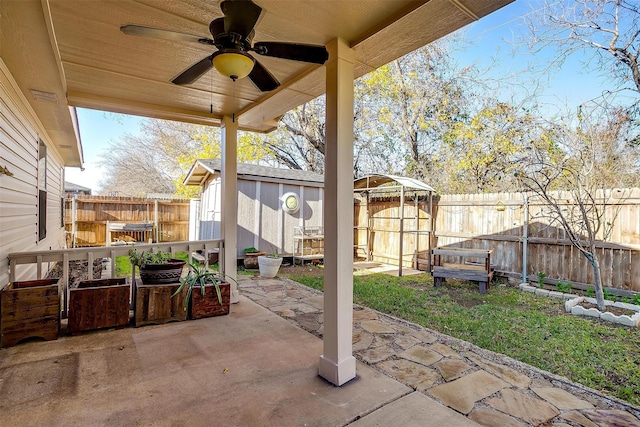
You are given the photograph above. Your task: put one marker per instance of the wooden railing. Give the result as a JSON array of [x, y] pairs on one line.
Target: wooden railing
[[93, 253]]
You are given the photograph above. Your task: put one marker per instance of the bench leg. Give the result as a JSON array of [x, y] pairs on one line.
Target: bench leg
[[483, 287], [438, 281]]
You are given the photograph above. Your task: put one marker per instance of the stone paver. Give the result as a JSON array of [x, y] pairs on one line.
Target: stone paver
[[504, 372], [491, 418], [406, 341], [377, 327], [413, 374], [445, 350], [421, 355], [450, 369], [470, 380], [578, 418], [361, 340], [529, 409], [376, 354], [463, 393], [561, 399], [612, 418]]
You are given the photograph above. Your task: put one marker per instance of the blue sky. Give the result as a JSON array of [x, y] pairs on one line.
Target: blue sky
[[491, 38]]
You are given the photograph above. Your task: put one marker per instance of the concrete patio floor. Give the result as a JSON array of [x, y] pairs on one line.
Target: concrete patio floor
[[250, 368], [258, 367]]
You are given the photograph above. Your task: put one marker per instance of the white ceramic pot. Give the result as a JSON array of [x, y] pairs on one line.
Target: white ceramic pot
[[269, 266]]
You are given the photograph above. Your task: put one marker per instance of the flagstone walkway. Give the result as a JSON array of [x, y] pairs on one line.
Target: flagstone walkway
[[489, 388]]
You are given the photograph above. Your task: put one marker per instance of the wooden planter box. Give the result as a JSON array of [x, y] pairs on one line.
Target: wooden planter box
[[29, 309], [155, 305], [97, 304], [208, 305]]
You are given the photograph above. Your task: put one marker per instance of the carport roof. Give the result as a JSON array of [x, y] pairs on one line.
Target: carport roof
[[379, 180]]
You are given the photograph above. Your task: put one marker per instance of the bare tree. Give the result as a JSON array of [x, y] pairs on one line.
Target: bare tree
[[573, 170], [157, 160], [610, 29]]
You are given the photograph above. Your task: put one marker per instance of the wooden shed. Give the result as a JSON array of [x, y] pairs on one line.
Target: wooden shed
[[264, 220]]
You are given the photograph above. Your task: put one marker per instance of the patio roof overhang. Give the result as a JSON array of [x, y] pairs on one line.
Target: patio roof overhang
[[75, 51]]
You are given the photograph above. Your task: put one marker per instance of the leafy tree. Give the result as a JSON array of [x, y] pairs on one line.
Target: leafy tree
[[585, 161], [479, 154], [414, 101]]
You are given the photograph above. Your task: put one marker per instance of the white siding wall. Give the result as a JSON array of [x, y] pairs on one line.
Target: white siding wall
[[19, 137]]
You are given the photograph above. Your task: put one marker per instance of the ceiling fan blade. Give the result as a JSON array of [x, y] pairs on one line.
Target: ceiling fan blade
[[262, 78], [295, 51], [157, 33], [240, 16], [194, 72]]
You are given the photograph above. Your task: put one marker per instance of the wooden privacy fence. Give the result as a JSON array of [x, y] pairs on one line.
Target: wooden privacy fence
[[500, 222], [90, 219]]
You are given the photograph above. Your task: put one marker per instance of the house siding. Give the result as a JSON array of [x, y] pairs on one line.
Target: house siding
[[19, 139]]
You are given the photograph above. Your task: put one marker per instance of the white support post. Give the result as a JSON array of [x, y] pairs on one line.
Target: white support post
[[337, 364], [229, 217]]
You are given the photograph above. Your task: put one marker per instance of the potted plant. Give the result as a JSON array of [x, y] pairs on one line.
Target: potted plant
[[156, 267], [251, 257], [207, 292], [269, 264]]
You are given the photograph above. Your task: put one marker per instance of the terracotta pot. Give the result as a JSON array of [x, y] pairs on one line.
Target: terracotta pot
[[157, 274]]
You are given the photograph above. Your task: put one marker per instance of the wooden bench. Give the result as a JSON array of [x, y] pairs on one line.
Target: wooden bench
[[476, 270]]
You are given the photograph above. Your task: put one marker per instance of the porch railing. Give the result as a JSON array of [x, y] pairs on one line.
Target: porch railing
[[42, 259]]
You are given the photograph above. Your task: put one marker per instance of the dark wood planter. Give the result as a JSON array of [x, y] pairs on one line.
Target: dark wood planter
[[155, 304], [157, 274], [29, 309], [208, 305], [251, 260], [97, 304]]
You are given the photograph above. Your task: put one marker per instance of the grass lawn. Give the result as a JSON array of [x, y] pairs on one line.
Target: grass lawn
[[526, 327]]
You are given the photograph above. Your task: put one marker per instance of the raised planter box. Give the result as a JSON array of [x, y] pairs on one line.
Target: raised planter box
[[208, 305], [155, 304], [97, 304], [29, 309], [573, 306]]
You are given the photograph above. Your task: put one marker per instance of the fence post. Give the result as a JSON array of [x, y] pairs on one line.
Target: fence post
[[155, 219], [525, 233], [74, 220]]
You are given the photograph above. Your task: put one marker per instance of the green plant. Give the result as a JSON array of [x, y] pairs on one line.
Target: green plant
[[636, 299], [273, 253], [591, 292], [251, 250], [541, 277], [608, 295], [142, 258], [200, 276], [563, 287]]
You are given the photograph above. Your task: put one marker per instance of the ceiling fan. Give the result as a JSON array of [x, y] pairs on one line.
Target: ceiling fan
[[232, 36]]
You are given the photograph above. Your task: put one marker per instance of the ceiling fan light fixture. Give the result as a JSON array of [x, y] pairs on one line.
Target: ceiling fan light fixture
[[233, 65]]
